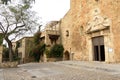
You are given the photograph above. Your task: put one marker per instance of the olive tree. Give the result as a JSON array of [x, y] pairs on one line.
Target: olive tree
[[25, 1], [16, 20]]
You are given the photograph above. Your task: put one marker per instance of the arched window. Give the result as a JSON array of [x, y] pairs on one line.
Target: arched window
[[96, 0], [67, 33]]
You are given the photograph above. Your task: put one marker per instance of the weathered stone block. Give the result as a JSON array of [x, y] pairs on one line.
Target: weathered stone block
[[9, 64]]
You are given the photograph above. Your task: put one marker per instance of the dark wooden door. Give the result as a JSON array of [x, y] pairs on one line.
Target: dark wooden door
[[98, 48]]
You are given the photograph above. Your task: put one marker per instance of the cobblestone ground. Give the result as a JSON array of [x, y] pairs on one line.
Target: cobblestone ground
[[55, 71]]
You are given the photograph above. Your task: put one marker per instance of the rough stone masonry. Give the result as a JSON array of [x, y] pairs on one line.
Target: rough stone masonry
[[90, 30]]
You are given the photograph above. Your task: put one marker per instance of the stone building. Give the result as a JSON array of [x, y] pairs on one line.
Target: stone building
[[50, 36], [14, 45], [90, 30], [24, 45]]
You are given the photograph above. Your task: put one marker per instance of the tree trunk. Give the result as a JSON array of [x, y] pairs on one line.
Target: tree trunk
[[10, 49]]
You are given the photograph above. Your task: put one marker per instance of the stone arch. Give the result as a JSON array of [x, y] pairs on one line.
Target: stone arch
[[66, 55]]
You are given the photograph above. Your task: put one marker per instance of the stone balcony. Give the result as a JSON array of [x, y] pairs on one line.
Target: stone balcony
[[52, 32]]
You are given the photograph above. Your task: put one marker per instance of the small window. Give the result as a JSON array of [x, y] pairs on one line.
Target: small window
[[81, 30], [96, 0], [67, 33]]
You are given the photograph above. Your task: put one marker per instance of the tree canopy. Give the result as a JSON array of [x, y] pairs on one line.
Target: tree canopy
[[17, 20], [1, 38], [56, 51], [38, 49], [25, 1], [5, 1], [37, 38]]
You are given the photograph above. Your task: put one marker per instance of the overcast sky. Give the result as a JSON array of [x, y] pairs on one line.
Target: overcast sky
[[50, 10]]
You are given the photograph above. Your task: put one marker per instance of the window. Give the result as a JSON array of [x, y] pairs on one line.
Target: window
[[96, 0], [67, 33], [81, 30]]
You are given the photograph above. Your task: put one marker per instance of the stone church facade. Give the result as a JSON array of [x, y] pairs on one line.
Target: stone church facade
[[90, 31]]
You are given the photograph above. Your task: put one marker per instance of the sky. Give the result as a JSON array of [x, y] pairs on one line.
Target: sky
[[50, 10]]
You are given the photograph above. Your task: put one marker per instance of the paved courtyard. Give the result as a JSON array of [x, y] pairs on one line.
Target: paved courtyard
[[68, 70]]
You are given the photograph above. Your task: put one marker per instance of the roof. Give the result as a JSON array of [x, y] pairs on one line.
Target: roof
[[52, 23], [24, 37]]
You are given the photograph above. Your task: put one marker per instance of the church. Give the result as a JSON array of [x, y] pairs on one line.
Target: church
[[90, 31]]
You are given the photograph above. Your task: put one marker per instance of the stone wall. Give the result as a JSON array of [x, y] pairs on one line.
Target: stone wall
[[23, 51], [116, 28], [8, 65], [84, 15], [53, 59]]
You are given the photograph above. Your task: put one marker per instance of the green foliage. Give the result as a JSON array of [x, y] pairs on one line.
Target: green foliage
[[16, 58], [13, 9], [17, 45], [1, 39], [37, 38], [24, 1], [16, 20], [37, 51], [26, 6], [5, 1], [15, 55], [47, 51], [6, 54], [56, 51]]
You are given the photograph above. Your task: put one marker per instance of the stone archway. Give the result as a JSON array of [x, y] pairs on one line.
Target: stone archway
[[66, 55]]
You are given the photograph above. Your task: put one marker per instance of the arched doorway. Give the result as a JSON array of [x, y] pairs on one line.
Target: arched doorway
[[66, 55]]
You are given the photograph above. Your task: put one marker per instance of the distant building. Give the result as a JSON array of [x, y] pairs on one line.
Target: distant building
[[24, 45], [51, 33], [50, 36]]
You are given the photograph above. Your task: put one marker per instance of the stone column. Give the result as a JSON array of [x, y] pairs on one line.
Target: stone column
[[71, 56], [44, 57], [1, 51]]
